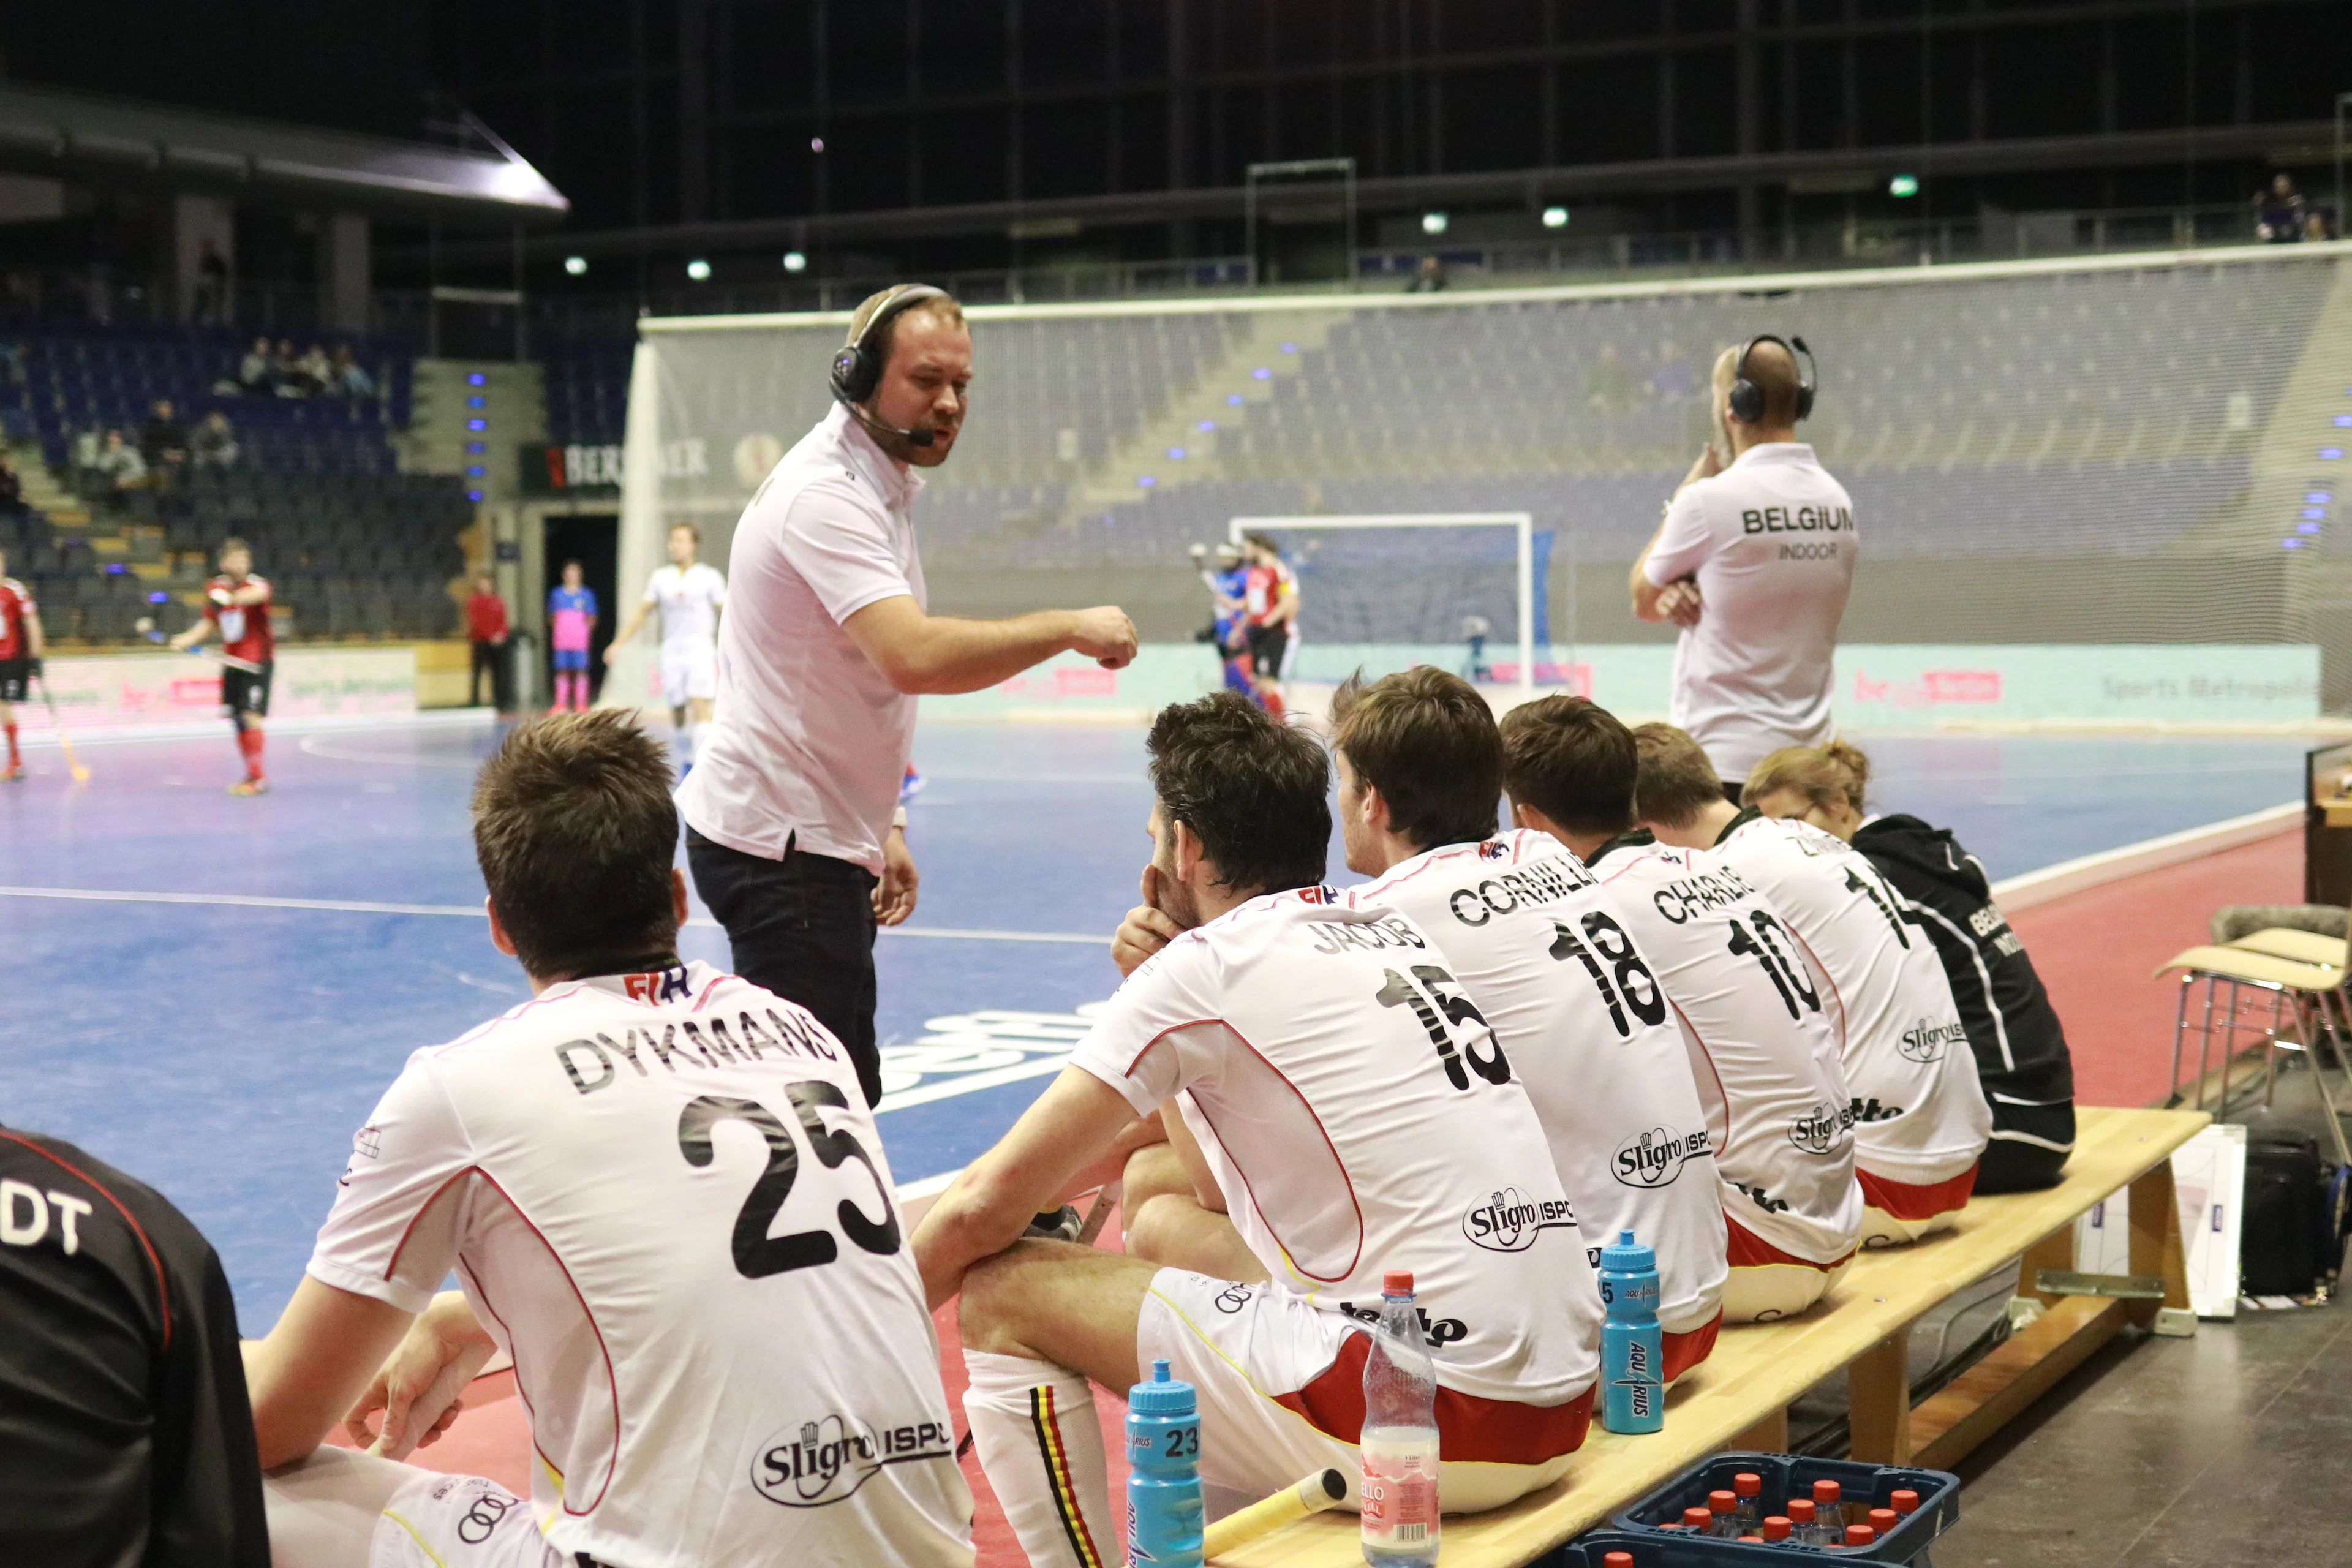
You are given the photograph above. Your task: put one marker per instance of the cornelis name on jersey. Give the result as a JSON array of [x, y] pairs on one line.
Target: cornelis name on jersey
[[1508, 1221], [813, 1463], [1388, 931], [1803, 520], [1440, 1333], [1924, 1040], [1687, 897], [1545, 882], [1656, 1157], [594, 1064], [1824, 1127]]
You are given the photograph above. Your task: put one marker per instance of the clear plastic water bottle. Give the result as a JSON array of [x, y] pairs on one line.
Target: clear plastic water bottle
[[1399, 1443], [1748, 1486], [1804, 1522], [1163, 1474], [1723, 1515], [1905, 1503], [1776, 1527], [1632, 1349], [1829, 1514], [1859, 1535], [1883, 1519]]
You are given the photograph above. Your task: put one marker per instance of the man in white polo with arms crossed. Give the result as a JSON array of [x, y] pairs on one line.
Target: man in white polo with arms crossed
[[1753, 562], [793, 830]]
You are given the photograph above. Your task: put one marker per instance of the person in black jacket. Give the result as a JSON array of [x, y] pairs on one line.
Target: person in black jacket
[[2020, 1045], [126, 1439]]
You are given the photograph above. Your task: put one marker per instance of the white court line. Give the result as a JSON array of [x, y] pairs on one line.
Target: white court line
[[474, 912]]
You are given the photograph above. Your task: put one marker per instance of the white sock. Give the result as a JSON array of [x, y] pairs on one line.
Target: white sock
[[1039, 1440]]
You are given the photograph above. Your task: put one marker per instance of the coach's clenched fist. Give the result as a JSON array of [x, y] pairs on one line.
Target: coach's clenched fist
[[1105, 635]]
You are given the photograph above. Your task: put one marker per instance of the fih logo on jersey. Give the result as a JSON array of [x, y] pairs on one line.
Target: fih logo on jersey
[[1819, 1131], [1508, 1221], [1924, 1040], [1656, 1157], [658, 984], [814, 1463]]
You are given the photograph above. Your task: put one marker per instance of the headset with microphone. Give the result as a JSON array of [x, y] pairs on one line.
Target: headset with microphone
[[1746, 399], [857, 369]]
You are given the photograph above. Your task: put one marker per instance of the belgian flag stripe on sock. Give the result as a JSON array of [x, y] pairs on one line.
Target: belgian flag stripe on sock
[[1042, 1416]]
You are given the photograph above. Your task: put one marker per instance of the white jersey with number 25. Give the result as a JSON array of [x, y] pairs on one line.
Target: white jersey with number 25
[[665, 1194], [1920, 1117], [1763, 1046], [1534, 941]]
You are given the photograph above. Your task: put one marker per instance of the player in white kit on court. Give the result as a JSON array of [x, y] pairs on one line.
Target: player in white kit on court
[[663, 1196], [1920, 1117], [1760, 1040], [690, 596], [1529, 932], [1332, 1087]]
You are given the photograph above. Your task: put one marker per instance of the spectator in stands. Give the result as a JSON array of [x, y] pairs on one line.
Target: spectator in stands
[[2279, 212], [257, 374], [14, 360], [1429, 278], [349, 378], [163, 442], [12, 487], [318, 371], [214, 445], [1674, 377], [1608, 385], [210, 303], [2319, 226], [120, 464], [486, 628], [285, 371]]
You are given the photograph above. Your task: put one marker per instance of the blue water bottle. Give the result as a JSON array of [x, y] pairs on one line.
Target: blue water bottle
[[1632, 1350], [1163, 1471]]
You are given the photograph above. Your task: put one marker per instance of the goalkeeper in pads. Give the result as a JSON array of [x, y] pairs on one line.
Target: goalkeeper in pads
[[1352, 1134]]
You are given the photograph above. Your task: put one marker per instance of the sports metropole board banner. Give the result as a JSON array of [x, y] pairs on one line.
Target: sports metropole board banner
[[124, 691], [1877, 685]]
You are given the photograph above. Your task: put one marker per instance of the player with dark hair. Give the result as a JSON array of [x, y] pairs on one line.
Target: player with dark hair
[[1763, 1053], [662, 1195], [125, 1438], [21, 648], [1920, 1118], [2020, 1045], [1373, 1120], [236, 610], [571, 626]]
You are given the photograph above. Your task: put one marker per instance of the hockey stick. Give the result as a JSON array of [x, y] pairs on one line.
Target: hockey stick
[[145, 628], [65, 742]]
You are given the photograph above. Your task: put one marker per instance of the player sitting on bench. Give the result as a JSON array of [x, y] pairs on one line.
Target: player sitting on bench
[[1764, 1054], [721, 1341], [1326, 1077], [1920, 1118]]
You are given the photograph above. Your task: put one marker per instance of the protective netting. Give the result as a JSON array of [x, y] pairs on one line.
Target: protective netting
[[2038, 453]]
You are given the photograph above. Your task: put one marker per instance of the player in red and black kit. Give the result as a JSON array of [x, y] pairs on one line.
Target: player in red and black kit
[[236, 610], [126, 1436], [20, 660]]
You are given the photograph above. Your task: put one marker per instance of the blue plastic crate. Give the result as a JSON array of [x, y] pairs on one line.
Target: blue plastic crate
[[1671, 1548], [1788, 1475]]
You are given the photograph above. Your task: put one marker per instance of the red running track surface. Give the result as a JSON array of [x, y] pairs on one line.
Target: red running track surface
[[2098, 951]]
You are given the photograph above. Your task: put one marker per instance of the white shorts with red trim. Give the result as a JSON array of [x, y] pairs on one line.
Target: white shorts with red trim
[[1765, 1284], [341, 1509], [1281, 1383], [1895, 1213]]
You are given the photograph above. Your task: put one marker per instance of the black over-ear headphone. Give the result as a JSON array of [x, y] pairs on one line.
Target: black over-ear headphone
[[1747, 399], [857, 369]]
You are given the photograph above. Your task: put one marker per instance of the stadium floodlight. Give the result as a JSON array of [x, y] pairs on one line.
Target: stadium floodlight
[[1522, 525], [576, 265], [1433, 223], [1555, 217], [795, 261], [699, 269], [1903, 185]]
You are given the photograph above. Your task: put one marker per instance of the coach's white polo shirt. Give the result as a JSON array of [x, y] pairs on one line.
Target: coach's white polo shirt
[[1771, 542], [810, 739]]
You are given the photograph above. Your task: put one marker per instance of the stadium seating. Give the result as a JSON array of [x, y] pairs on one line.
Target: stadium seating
[[587, 392]]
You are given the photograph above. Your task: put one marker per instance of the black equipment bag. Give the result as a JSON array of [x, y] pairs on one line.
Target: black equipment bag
[[2289, 1243]]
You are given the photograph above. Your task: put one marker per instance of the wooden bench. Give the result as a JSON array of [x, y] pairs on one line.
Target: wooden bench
[[1740, 1398]]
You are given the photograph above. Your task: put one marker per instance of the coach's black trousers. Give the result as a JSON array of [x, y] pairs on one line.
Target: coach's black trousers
[[803, 928], [492, 659]]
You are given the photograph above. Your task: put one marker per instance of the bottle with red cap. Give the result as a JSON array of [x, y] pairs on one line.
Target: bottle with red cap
[[1748, 1488], [1906, 1502], [1616, 1559], [1859, 1535], [1723, 1515], [1397, 1445], [1697, 1520], [1779, 1527], [1829, 1514], [1800, 1521]]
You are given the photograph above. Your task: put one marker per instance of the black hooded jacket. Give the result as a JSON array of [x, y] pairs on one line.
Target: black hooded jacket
[[2021, 1047]]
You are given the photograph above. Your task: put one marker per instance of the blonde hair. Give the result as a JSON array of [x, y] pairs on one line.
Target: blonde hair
[[1824, 776]]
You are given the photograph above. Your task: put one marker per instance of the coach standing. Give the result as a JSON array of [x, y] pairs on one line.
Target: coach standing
[[793, 826], [1753, 562]]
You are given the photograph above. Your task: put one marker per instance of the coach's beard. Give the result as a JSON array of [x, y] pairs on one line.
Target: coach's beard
[[1171, 898]]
